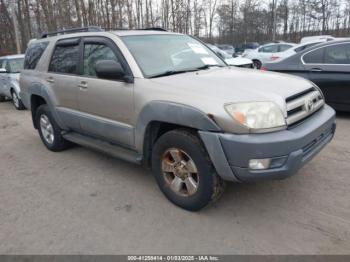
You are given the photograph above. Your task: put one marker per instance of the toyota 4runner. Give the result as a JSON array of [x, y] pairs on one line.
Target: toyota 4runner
[[165, 100]]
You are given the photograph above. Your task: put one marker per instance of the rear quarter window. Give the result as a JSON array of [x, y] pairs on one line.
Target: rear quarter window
[[33, 55], [65, 59]]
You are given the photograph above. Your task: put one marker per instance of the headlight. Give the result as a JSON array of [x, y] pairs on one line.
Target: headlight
[[257, 115]]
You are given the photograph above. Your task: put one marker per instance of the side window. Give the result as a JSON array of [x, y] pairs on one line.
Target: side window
[[269, 49], [65, 59], [315, 57], [2, 63], [33, 54], [14, 65], [338, 54], [94, 53], [284, 47], [7, 66]]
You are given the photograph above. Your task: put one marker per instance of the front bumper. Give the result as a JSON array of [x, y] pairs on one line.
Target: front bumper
[[291, 148]]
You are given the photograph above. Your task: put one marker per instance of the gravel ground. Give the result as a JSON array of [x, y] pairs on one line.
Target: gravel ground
[[83, 202]]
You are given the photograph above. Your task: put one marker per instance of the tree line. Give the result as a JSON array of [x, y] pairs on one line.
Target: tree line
[[215, 21]]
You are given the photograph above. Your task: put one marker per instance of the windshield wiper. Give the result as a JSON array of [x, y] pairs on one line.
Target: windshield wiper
[[175, 72], [207, 67]]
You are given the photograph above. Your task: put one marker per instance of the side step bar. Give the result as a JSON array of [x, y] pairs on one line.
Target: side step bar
[[105, 147]]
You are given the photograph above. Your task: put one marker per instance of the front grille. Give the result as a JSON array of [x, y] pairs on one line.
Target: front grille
[[303, 105]]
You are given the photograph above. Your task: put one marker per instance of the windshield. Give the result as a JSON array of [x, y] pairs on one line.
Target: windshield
[[15, 65], [158, 54]]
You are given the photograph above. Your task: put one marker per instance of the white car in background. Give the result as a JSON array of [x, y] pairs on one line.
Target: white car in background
[[322, 38], [227, 48], [266, 53], [10, 67], [233, 61], [296, 49]]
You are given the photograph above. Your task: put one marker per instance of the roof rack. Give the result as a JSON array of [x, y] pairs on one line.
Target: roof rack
[[126, 29], [73, 30], [154, 29]]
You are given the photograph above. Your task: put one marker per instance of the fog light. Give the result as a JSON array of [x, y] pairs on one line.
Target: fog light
[[259, 164]]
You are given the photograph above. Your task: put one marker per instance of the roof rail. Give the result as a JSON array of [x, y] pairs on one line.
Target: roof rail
[[154, 29], [127, 29], [73, 30]]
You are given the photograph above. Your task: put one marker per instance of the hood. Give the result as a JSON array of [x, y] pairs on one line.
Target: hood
[[238, 61], [232, 84]]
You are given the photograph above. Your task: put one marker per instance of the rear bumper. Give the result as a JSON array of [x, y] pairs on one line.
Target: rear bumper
[[290, 149]]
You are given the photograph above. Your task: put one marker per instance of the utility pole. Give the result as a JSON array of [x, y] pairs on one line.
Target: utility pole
[[274, 19]]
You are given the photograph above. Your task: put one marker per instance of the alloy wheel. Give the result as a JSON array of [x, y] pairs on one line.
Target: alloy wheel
[[47, 129], [180, 172]]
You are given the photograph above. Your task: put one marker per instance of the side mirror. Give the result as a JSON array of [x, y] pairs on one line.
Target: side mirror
[[3, 70], [109, 69]]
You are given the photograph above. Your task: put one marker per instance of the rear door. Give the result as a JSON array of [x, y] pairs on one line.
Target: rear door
[[106, 106], [62, 79], [329, 68]]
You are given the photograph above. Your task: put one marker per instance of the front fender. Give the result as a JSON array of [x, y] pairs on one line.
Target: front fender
[[171, 113]]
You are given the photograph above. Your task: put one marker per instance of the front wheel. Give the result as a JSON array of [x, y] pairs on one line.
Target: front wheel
[[17, 102], [184, 172], [257, 64]]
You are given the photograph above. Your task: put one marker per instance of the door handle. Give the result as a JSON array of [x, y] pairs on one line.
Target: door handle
[[316, 70], [50, 79], [83, 85]]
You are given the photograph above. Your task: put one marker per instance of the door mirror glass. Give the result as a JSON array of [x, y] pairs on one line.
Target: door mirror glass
[[3, 70], [109, 69]]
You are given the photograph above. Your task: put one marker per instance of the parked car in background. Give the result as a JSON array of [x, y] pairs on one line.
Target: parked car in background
[[229, 49], [295, 49], [266, 53], [10, 68], [323, 38], [233, 61], [327, 65], [241, 48]]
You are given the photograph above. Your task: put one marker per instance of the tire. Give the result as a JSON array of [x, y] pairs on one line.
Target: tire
[[50, 133], [17, 102], [257, 64], [2, 99], [186, 145]]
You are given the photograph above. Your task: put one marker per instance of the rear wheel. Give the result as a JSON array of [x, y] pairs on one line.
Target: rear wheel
[[184, 172], [2, 98], [49, 131], [17, 102]]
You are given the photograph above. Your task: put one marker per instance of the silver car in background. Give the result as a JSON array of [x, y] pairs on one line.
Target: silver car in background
[[10, 67]]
